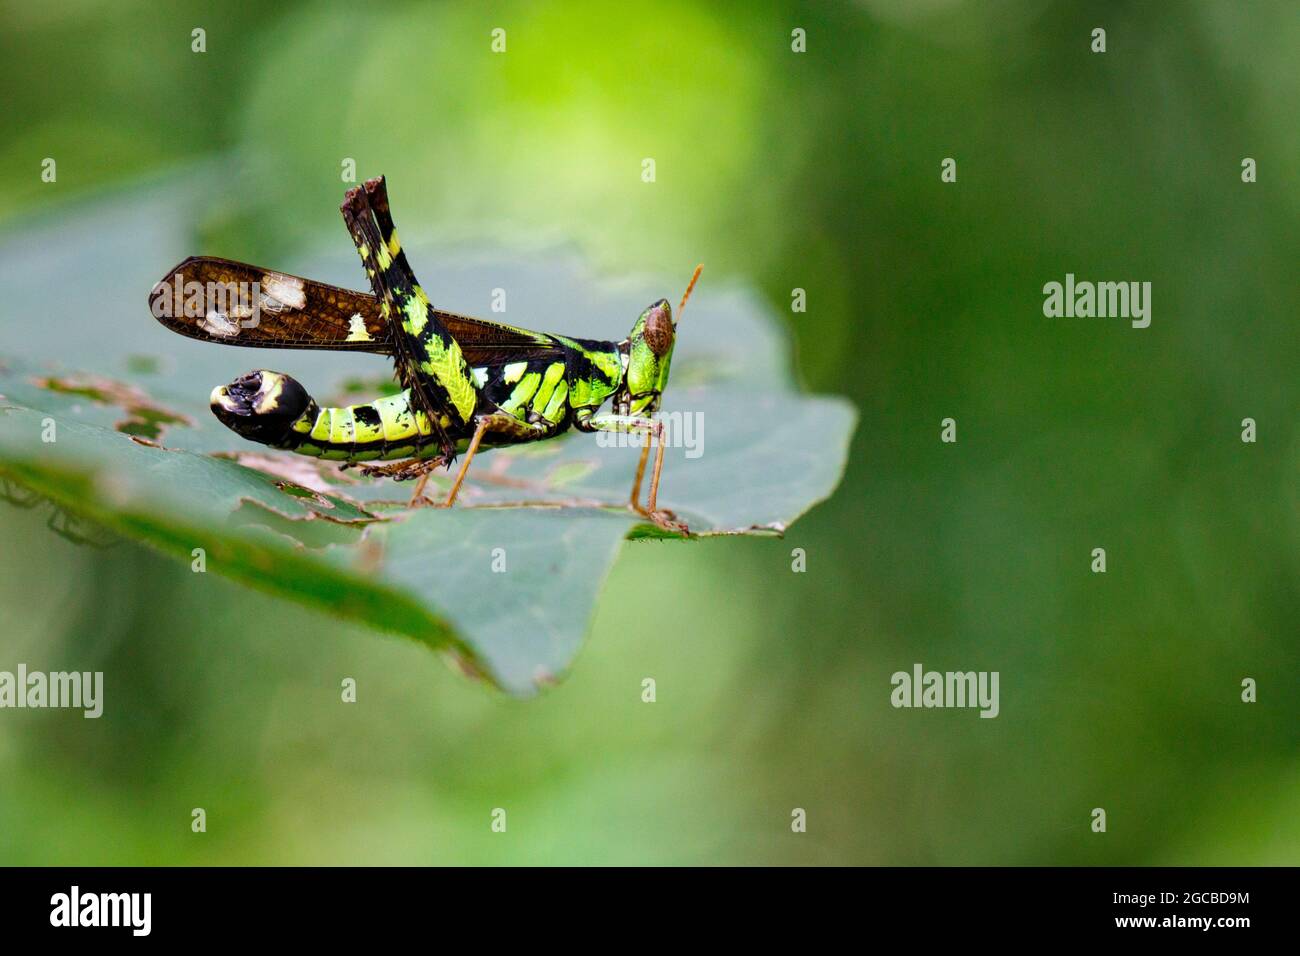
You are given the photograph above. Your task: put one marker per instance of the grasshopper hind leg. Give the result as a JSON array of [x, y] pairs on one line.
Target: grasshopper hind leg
[[412, 469], [428, 358]]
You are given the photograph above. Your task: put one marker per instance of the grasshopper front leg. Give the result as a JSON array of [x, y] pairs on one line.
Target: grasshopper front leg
[[653, 429]]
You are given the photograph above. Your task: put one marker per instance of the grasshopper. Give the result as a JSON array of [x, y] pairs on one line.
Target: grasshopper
[[467, 385]]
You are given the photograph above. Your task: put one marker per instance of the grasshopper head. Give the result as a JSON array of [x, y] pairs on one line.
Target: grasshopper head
[[649, 354], [261, 405]]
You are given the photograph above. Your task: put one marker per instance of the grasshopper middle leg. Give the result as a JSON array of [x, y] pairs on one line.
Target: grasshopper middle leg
[[498, 422]]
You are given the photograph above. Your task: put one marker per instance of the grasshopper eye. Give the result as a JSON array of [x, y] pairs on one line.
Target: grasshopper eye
[[659, 328]]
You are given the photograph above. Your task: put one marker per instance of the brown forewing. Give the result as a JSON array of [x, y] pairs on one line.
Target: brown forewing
[[242, 304]]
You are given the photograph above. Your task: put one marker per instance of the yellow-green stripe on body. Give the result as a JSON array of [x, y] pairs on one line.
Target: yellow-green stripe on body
[[552, 377], [386, 429]]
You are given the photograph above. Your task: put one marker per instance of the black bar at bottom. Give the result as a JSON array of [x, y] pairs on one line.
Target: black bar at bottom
[[332, 905]]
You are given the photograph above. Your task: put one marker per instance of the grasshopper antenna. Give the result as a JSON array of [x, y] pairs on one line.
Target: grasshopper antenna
[[687, 294]]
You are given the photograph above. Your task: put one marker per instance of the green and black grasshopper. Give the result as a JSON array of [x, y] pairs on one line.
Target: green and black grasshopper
[[466, 384]]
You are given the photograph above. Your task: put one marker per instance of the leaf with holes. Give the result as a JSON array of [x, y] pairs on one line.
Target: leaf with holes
[[104, 413]]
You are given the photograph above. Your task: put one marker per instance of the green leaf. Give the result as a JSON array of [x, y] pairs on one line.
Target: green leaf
[[104, 413]]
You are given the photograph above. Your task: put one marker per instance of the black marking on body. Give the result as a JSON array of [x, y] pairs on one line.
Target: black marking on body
[[367, 415]]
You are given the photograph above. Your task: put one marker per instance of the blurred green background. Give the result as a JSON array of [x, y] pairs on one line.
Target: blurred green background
[[818, 171]]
